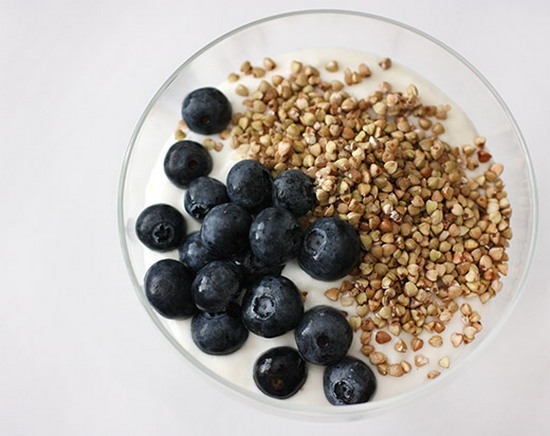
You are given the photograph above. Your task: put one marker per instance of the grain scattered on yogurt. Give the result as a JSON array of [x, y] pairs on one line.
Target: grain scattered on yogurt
[[433, 217]]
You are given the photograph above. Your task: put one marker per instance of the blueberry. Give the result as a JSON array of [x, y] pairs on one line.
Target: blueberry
[[224, 230], [349, 381], [249, 184], [280, 372], [293, 190], [330, 249], [185, 161], [161, 227], [167, 286], [202, 195], [323, 335], [216, 285], [193, 254], [206, 111], [272, 306], [219, 333], [275, 236], [253, 268]]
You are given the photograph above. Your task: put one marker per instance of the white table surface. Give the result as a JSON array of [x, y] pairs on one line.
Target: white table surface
[[78, 354]]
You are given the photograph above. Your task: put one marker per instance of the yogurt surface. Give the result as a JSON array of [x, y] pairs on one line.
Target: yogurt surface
[[237, 367]]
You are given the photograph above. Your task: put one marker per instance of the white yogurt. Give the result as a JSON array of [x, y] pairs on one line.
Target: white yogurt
[[237, 367]]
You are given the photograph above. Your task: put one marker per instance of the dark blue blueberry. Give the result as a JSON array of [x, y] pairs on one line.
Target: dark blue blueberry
[[331, 248], [293, 190], [275, 236], [224, 230], [280, 372], [193, 254], [272, 306], [323, 335], [161, 227], [349, 381], [219, 333], [206, 111], [216, 285], [253, 268], [249, 185], [202, 195], [167, 286], [186, 161]]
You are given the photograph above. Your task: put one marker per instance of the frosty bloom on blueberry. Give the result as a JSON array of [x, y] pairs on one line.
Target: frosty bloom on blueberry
[[349, 381], [323, 335], [275, 236], [280, 372], [216, 285], [202, 195], [185, 161], [219, 333], [272, 306], [160, 227], [331, 248], [167, 286], [293, 190], [249, 184], [206, 110], [225, 230], [193, 253]]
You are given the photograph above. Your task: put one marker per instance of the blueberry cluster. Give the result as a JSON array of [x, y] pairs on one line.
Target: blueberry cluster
[[228, 276]]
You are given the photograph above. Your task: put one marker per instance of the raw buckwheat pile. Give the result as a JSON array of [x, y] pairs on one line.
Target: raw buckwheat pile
[[433, 217]]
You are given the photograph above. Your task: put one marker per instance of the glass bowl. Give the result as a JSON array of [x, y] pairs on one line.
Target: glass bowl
[[346, 30]]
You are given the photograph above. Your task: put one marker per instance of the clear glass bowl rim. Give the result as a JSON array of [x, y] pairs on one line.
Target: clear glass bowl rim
[[277, 406]]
